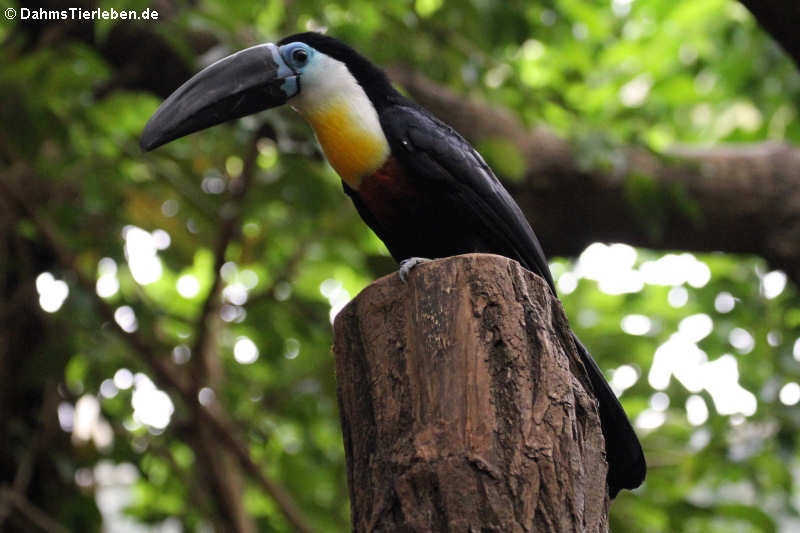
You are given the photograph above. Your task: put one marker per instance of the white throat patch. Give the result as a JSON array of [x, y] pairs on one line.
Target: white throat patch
[[343, 117]]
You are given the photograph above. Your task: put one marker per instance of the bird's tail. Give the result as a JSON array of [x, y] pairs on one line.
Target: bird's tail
[[626, 464]]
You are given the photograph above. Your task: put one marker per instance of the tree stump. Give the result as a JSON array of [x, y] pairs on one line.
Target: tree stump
[[465, 406]]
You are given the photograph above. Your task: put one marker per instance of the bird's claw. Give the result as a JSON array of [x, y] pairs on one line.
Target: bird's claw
[[407, 264]]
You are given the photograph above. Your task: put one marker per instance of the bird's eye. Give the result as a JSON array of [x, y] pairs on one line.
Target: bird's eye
[[300, 56]]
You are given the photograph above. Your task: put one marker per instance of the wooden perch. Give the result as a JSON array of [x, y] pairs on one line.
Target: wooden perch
[[465, 406]]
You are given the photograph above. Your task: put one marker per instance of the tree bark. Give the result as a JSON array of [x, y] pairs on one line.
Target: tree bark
[[465, 406]]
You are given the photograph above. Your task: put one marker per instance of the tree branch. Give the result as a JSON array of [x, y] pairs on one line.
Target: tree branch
[[24, 474], [36, 516], [220, 469], [230, 214], [739, 199]]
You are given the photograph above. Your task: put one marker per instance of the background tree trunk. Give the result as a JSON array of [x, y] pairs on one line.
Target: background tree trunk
[[465, 406], [741, 198]]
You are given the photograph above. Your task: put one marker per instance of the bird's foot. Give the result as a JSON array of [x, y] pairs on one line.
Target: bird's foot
[[407, 264]]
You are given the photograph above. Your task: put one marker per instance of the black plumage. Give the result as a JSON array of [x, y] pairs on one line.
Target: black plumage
[[431, 195], [442, 200]]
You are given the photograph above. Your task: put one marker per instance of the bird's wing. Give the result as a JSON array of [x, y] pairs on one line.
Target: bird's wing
[[436, 152], [432, 150]]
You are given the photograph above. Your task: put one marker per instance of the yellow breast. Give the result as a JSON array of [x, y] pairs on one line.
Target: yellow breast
[[350, 141]]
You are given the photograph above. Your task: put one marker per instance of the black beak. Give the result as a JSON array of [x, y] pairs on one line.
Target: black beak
[[244, 83]]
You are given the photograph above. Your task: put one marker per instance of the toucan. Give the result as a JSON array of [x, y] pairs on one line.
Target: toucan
[[423, 189]]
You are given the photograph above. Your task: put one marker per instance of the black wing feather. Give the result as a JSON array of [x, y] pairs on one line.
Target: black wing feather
[[437, 152], [432, 151]]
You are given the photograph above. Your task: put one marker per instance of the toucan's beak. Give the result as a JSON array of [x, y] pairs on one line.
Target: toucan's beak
[[244, 83]]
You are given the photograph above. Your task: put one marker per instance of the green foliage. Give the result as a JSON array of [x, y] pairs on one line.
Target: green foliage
[[653, 73]]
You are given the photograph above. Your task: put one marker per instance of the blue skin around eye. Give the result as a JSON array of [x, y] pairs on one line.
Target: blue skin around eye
[[290, 86], [288, 49]]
